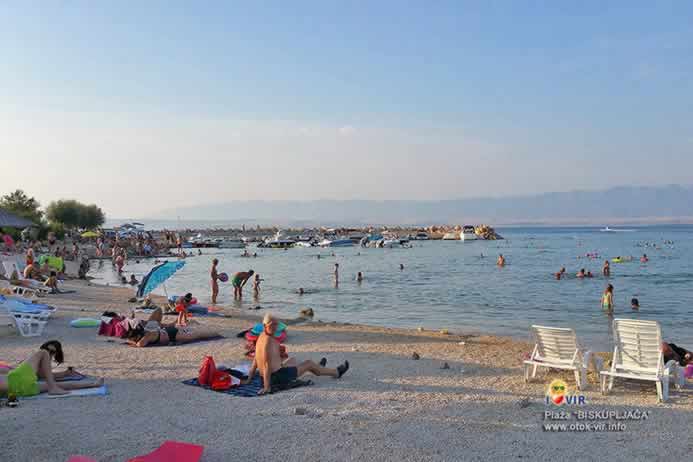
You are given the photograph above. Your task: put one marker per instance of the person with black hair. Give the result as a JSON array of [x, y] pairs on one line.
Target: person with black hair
[[24, 379], [155, 332]]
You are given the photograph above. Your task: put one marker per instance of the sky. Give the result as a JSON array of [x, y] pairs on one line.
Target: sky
[[145, 106]]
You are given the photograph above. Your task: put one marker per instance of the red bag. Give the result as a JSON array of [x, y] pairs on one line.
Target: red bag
[[221, 381], [207, 371]]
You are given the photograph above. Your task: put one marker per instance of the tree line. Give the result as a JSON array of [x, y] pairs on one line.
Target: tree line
[[61, 215]]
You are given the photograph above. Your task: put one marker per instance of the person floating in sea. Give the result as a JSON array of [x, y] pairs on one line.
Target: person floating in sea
[[238, 281], [336, 274], [606, 269], [608, 299], [501, 261], [589, 274], [301, 291], [401, 266], [560, 274], [359, 277], [214, 274], [581, 274], [268, 362], [634, 304], [644, 258]]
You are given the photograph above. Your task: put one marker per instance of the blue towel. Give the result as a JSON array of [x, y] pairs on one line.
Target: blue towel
[[250, 390]]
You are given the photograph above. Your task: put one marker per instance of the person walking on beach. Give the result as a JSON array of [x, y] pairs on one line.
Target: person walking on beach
[[336, 274], [238, 281], [606, 269], [268, 362], [608, 299], [214, 274]]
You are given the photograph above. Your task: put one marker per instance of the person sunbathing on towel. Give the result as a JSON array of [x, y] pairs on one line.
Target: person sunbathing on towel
[[678, 354], [23, 380], [156, 332], [268, 361]]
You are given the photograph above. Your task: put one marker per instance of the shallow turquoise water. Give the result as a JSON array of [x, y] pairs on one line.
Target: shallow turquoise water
[[447, 284]]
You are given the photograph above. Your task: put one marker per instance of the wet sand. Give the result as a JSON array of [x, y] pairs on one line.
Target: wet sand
[[387, 407]]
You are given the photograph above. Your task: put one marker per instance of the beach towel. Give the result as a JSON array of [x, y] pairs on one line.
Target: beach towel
[[100, 391], [250, 390], [172, 451]]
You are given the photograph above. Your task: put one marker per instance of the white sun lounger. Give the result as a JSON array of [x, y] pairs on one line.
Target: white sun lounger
[[8, 325], [638, 355], [29, 322], [557, 348]]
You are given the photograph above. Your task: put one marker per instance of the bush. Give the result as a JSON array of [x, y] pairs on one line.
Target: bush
[[73, 214]]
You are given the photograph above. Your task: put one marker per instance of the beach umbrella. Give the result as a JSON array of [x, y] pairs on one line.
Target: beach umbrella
[[88, 234], [157, 276]]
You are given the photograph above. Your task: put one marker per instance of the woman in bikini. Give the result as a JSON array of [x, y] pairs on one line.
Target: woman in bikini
[[155, 332], [23, 380]]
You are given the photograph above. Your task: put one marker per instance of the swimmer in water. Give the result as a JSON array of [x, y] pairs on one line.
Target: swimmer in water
[[606, 269], [608, 299], [359, 277], [635, 304], [401, 267], [581, 274], [336, 274], [560, 274], [644, 258], [501, 261], [301, 291], [589, 274]]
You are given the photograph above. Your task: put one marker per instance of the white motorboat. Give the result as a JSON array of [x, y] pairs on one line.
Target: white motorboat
[[303, 244], [279, 242], [421, 237], [336, 243], [468, 233], [452, 236], [230, 243]]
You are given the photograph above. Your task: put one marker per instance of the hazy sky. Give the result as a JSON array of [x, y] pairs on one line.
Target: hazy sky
[[142, 106]]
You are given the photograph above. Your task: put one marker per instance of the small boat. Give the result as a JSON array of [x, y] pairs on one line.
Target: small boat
[[421, 237], [279, 242], [230, 243], [611, 230], [468, 233], [452, 236], [336, 243], [303, 244]]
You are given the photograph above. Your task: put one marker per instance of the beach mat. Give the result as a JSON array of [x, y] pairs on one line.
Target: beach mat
[[172, 451], [100, 391], [250, 390]]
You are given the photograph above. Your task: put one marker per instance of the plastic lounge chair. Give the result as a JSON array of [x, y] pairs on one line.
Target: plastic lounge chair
[[638, 356], [18, 290], [30, 322], [8, 325], [557, 348]]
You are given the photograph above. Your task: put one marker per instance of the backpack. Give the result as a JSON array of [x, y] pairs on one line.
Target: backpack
[[207, 371], [223, 381]]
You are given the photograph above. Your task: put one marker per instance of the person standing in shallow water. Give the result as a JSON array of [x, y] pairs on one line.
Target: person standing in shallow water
[[336, 274], [608, 299], [215, 281], [606, 269], [501, 261]]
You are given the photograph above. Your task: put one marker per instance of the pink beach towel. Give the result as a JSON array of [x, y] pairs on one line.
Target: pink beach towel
[[172, 451]]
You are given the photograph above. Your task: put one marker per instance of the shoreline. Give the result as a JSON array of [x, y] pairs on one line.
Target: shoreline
[[387, 407]]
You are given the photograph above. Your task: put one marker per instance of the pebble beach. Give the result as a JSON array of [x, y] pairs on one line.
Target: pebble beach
[[464, 399]]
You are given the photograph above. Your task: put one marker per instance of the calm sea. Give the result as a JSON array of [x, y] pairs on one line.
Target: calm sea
[[449, 284]]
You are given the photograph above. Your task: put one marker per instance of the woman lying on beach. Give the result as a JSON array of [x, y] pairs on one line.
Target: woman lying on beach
[[678, 354], [24, 379], [155, 332]]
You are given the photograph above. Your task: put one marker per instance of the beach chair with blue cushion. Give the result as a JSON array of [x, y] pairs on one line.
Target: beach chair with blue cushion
[[557, 348], [638, 356]]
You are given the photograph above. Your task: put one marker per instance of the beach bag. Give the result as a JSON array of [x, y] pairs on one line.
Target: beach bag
[[222, 381], [207, 371]]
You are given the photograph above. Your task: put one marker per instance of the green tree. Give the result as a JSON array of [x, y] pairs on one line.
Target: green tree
[[73, 214], [22, 205]]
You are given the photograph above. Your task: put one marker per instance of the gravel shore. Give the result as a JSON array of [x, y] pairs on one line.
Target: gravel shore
[[387, 407]]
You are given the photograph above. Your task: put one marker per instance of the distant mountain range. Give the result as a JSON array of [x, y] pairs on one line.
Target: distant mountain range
[[625, 204]]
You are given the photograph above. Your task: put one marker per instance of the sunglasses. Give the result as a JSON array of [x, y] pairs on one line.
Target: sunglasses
[[558, 388]]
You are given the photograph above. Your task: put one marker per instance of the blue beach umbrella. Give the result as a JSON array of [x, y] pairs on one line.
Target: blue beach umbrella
[[157, 276]]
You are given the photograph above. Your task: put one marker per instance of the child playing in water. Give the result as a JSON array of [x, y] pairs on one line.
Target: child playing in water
[[608, 299], [256, 286]]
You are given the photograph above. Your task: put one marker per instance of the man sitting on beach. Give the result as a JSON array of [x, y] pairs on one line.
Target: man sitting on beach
[[269, 363], [33, 272]]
